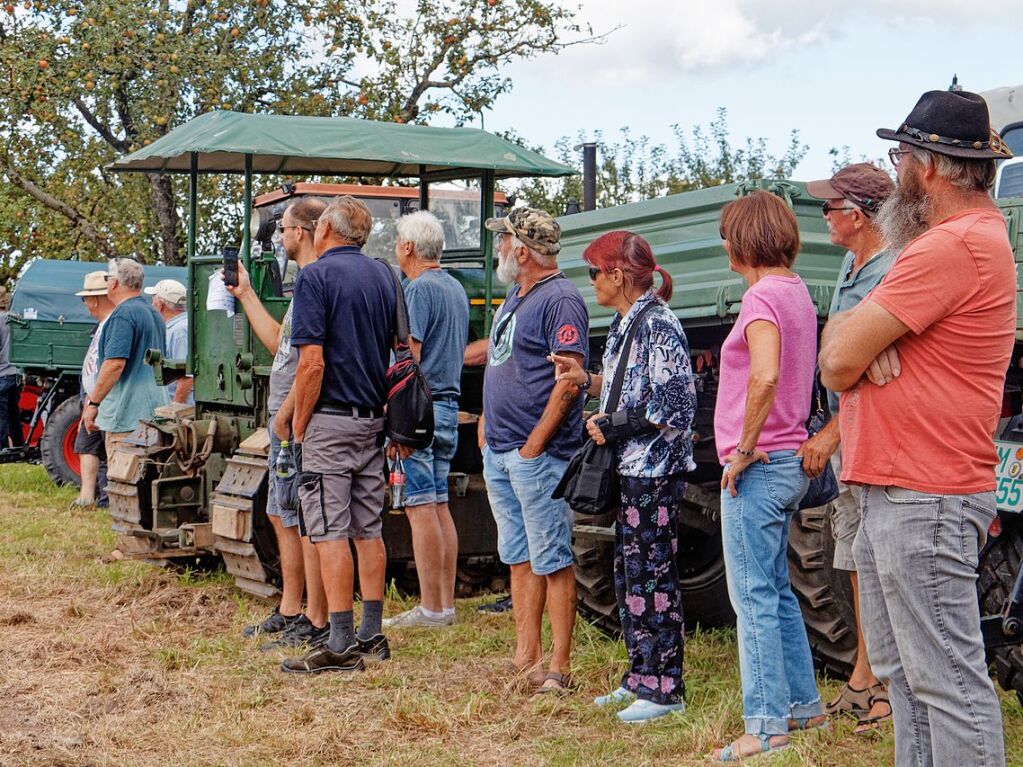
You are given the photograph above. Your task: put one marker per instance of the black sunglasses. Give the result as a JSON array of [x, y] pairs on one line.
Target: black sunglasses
[[594, 271], [827, 208]]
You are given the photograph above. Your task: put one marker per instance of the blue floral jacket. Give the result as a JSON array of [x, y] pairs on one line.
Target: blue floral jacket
[[660, 377]]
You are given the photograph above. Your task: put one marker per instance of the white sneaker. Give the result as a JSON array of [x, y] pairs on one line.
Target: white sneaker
[[645, 710], [621, 695], [416, 618]]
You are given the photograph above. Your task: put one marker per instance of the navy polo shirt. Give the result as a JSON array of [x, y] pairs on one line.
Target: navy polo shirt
[[345, 302]]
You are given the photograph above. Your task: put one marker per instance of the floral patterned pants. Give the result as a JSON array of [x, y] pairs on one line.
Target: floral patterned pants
[[647, 587]]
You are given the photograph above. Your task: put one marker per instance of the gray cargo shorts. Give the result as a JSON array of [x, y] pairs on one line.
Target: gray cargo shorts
[[341, 487], [845, 518]]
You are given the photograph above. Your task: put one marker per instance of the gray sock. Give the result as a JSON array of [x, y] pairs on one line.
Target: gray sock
[[342, 631], [372, 613]]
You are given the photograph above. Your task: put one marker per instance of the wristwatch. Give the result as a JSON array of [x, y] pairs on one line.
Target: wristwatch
[[94, 404], [587, 384]]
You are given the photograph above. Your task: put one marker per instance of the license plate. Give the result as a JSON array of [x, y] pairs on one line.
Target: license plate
[[1009, 476]]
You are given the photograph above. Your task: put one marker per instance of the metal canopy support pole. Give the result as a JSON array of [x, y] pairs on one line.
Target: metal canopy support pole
[[424, 189], [487, 239], [193, 208], [246, 246]]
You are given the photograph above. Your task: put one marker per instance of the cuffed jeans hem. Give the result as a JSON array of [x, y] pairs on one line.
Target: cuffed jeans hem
[[762, 725], [422, 500], [806, 710], [549, 568]]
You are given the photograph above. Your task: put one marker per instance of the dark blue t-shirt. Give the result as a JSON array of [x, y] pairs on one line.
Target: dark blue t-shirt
[[345, 301], [438, 317], [519, 378]]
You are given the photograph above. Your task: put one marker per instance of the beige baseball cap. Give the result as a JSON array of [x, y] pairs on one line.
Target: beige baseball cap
[[171, 291], [95, 284]]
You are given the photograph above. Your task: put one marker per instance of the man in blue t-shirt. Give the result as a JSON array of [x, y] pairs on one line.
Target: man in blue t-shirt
[[126, 389], [532, 426], [438, 311], [343, 326]]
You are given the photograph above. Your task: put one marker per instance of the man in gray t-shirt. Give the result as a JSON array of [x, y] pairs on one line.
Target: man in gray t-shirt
[[298, 555], [438, 314], [852, 198]]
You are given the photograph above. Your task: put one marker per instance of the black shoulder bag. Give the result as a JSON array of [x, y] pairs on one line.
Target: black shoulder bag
[[591, 480], [823, 488], [409, 416]]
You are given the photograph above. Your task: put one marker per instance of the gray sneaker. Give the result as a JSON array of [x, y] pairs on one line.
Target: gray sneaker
[[416, 618]]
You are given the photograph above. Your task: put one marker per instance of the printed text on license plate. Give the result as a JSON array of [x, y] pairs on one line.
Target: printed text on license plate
[[1009, 475]]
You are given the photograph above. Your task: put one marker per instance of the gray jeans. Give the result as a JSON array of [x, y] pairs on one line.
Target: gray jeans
[[916, 554]]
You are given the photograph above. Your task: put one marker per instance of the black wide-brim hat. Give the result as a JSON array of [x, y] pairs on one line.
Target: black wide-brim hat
[[954, 123]]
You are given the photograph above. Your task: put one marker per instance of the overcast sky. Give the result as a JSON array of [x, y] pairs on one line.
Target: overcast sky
[[835, 71]]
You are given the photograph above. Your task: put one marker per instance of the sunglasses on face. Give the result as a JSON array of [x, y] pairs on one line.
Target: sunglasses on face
[[594, 271], [827, 208]]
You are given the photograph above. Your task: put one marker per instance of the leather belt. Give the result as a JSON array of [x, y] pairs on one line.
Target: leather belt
[[352, 411]]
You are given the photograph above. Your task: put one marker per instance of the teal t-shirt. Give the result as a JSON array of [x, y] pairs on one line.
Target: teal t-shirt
[[130, 331]]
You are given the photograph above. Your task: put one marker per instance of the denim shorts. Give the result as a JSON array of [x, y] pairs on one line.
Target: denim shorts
[[531, 526], [426, 470], [288, 518]]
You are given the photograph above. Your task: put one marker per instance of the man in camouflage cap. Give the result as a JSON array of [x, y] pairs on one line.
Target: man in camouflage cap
[[536, 229], [530, 428]]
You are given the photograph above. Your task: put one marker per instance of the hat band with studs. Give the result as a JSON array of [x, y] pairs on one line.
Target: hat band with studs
[[995, 144]]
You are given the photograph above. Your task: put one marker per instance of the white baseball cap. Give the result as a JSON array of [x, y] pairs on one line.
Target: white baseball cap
[[171, 291]]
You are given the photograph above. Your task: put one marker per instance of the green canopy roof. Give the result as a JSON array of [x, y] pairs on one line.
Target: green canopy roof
[[284, 144]]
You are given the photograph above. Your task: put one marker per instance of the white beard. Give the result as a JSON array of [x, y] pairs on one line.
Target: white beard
[[507, 270]]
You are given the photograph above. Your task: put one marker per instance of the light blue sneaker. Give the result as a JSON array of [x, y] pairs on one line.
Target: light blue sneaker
[[621, 695], [645, 710]]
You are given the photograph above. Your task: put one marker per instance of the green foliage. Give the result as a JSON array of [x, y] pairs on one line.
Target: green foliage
[[632, 169], [85, 81]]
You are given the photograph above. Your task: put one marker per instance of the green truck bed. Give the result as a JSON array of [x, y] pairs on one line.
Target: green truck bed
[[683, 231], [50, 328]]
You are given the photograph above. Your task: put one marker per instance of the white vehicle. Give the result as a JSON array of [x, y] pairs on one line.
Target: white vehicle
[[1006, 108]]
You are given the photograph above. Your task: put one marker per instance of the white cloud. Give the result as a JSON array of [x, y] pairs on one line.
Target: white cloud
[[668, 38]]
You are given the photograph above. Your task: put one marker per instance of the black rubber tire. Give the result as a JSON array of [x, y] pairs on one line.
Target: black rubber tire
[[999, 562], [701, 570], [825, 594], [51, 444]]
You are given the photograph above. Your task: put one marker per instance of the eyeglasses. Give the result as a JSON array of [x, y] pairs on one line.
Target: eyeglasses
[[826, 207], [284, 228], [108, 277], [895, 155], [594, 271], [721, 233]]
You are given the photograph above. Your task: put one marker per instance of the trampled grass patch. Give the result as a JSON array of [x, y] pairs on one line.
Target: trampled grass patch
[[127, 664]]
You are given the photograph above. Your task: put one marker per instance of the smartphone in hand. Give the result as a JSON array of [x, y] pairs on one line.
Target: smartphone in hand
[[230, 255]]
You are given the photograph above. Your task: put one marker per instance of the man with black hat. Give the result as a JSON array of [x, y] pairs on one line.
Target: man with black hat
[[852, 198], [921, 363]]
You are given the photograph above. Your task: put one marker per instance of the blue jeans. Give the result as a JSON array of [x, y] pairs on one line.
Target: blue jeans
[[426, 470], [917, 555], [778, 681], [531, 526]]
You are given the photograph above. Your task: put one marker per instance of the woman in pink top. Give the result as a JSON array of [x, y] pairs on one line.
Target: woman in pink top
[[767, 369]]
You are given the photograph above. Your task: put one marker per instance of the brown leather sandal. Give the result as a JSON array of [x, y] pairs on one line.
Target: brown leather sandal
[[869, 724], [850, 701], [561, 685]]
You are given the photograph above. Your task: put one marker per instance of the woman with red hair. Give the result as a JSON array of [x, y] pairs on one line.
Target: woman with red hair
[[652, 433]]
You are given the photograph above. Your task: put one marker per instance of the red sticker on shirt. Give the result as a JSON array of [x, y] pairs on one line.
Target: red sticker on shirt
[[567, 335]]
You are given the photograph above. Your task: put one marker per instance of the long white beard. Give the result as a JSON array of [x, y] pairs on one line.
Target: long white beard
[[904, 216], [507, 270]]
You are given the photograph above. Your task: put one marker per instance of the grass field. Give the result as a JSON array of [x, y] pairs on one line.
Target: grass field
[[127, 664]]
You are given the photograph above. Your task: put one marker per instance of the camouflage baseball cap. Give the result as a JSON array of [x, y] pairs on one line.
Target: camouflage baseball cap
[[536, 228]]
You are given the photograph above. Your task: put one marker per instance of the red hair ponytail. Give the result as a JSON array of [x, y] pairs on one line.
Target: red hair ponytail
[[632, 254]]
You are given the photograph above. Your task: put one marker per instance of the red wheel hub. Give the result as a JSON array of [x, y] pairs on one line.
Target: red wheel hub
[[68, 446]]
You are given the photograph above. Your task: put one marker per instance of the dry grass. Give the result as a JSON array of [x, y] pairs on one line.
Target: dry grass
[[126, 664]]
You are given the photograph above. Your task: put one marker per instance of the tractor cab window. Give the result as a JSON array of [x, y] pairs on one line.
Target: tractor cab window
[[458, 208]]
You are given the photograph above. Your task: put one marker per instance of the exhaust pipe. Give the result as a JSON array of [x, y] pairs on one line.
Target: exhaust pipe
[[590, 175]]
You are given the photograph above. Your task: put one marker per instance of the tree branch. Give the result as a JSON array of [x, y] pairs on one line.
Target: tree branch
[[59, 206], [103, 130]]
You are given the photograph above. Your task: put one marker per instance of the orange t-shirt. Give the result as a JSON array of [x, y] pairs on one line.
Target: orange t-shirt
[[931, 429]]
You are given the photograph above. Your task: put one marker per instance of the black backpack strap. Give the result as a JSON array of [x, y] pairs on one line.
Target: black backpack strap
[[400, 310], [507, 317], [619, 380]]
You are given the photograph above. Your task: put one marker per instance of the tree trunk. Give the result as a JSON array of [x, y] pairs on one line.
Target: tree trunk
[[167, 215]]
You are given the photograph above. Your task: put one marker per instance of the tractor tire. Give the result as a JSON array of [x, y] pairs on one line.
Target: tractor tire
[[824, 593], [701, 569], [999, 562], [56, 446]]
